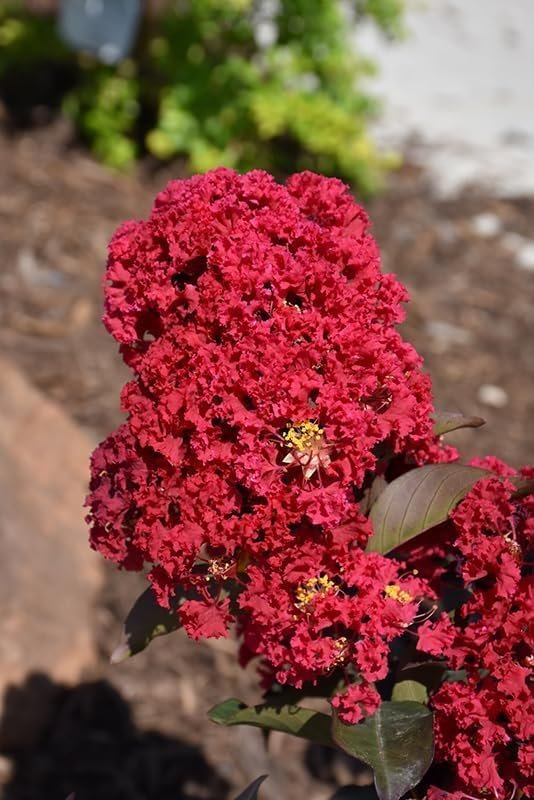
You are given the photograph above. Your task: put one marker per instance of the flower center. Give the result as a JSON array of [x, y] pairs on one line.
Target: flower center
[[341, 645], [308, 590], [219, 567], [513, 548], [396, 593], [303, 436], [308, 447]]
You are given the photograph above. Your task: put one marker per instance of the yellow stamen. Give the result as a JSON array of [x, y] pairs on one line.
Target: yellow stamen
[[396, 593], [308, 590], [303, 435], [307, 447], [341, 647], [218, 567], [513, 548]]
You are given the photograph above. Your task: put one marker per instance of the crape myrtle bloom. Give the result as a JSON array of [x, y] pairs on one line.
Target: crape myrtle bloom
[[484, 723], [326, 604], [269, 380]]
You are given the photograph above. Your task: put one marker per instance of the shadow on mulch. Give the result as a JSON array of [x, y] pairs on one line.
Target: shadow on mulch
[[90, 747]]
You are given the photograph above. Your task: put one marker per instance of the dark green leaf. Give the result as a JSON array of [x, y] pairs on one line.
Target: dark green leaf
[[423, 498], [302, 722], [396, 742], [417, 501], [447, 421], [371, 495], [523, 486], [410, 690], [145, 620], [461, 675], [455, 676], [251, 792]]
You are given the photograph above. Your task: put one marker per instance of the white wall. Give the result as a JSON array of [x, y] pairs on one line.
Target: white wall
[[462, 82]]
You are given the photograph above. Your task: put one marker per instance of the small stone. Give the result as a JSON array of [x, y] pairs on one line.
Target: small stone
[[446, 334], [486, 225], [493, 396], [522, 249], [525, 256], [447, 232], [512, 241]]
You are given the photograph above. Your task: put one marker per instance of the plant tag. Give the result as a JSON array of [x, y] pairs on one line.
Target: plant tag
[[105, 28]]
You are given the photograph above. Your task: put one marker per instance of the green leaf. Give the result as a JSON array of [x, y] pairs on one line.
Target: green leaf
[[371, 495], [410, 690], [396, 742], [447, 421], [251, 792], [295, 720], [145, 621], [417, 501], [523, 486], [455, 676], [423, 498]]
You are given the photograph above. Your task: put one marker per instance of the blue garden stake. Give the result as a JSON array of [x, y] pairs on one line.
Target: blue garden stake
[[105, 28]]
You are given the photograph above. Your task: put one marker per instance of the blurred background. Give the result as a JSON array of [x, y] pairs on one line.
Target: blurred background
[[426, 108]]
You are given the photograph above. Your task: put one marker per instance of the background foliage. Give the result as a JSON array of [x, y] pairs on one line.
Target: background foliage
[[275, 84]]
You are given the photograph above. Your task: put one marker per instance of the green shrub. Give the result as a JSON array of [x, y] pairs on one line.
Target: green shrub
[[205, 86], [105, 106]]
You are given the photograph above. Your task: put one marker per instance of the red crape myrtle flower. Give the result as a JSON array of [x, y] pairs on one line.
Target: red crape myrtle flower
[[484, 719], [268, 380]]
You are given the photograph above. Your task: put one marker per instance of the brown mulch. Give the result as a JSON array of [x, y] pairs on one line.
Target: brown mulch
[[138, 730]]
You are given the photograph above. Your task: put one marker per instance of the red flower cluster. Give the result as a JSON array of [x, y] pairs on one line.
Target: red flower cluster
[[270, 385], [325, 603], [484, 716], [269, 381]]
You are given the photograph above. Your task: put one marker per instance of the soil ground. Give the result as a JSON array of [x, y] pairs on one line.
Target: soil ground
[[138, 730]]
